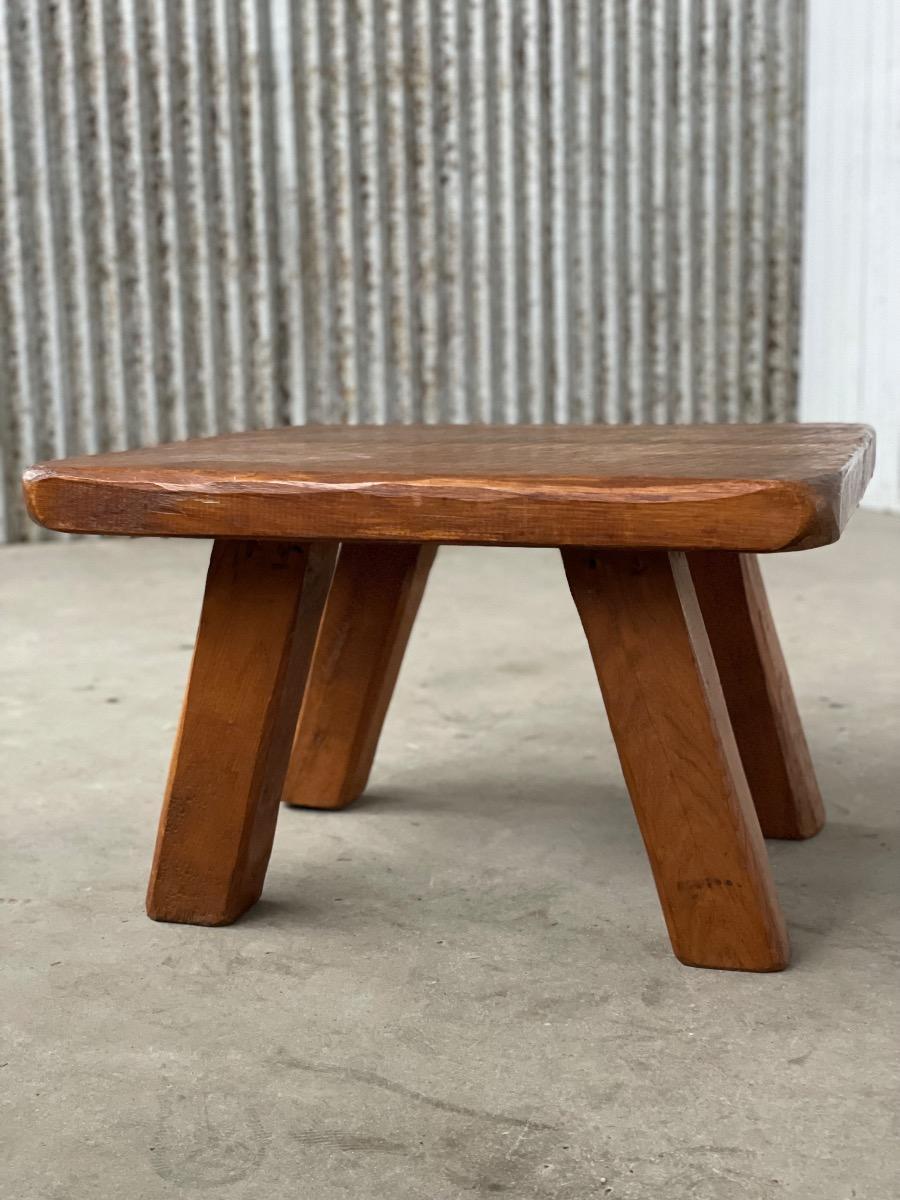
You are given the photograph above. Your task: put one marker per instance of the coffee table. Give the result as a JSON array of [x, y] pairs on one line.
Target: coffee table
[[323, 538]]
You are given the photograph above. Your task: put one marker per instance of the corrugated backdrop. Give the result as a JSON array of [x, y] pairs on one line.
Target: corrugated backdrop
[[219, 214]]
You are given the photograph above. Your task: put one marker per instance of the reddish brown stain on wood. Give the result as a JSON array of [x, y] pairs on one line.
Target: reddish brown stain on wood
[[758, 693], [752, 487], [371, 607], [260, 614], [679, 757], [685, 650]]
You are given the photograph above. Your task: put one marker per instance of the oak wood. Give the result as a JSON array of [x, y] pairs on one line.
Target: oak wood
[[758, 693], [371, 607], [733, 487], [261, 611], [668, 716]]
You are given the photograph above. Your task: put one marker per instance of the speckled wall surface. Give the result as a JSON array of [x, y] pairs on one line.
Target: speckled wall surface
[[218, 214]]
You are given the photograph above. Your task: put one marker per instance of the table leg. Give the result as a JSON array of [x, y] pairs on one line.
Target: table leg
[[679, 757], [758, 693], [261, 611], [371, 608]]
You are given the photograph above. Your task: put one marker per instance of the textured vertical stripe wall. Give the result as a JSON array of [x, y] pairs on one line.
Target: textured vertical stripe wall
[[851, 327], [219, 214]]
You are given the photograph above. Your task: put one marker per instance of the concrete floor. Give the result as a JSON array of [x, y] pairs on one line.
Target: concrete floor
[[461, 986]]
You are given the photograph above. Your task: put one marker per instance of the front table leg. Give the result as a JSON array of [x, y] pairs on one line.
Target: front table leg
[[679, 757], [258, 625]]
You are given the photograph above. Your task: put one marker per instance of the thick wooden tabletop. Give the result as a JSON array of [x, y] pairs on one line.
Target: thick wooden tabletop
[[735, 487]]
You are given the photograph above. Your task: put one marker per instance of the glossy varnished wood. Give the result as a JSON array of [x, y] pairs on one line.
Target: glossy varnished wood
[[261, 611], [750, 487], [758, 693], [371, 607], [679, 757]]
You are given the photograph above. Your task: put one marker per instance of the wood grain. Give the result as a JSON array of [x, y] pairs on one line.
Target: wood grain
[[733, 487], [681, 764], [758, 693], [372, 604], [261, 611]]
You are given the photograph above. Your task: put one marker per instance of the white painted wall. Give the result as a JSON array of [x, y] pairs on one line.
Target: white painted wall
[[850, 357]]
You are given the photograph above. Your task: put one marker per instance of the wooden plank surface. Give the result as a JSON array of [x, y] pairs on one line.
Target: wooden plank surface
[[679, 757], [261, 612], [371, 607], [735, 487]]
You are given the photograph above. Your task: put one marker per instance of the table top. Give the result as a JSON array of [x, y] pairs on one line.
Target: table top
[[736, 487]]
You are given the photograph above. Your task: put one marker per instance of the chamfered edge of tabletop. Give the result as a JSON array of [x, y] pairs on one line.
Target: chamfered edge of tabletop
[[753, 515]]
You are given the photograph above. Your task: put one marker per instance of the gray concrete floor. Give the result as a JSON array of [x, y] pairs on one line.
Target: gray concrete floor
[[462, 985]]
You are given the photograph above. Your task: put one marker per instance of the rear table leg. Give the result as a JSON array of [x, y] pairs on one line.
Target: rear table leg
[[679, 757], [258, 625], [758, 693], [371, 608]]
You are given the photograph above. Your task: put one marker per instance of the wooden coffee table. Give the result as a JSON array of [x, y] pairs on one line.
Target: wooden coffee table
[[658, 526]]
